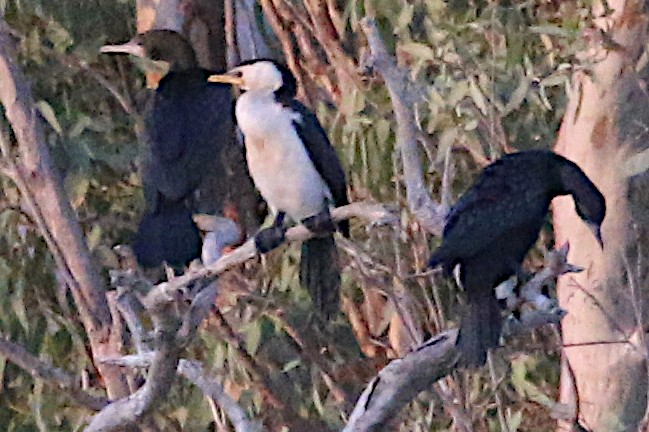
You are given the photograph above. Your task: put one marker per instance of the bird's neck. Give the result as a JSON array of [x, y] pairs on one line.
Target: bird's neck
[[583, 190], [182, 80], [573, 180], [184, 61], [253, 110], [256, 101], [260, 95]]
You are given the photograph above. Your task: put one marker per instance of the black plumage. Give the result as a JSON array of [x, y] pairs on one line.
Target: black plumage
[[495, 223], [187, 123], [319, 267]]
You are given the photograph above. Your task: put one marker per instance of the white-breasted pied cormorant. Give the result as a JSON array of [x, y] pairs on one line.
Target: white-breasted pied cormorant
[[295, 169]]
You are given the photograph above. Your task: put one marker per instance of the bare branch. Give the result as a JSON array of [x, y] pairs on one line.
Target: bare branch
[[133, 361], [396, 384], [429, 214], [325, 32], [401, 380], [41, 184], [376, 214], [284, 35], [128, 306], [52, 375], [172, 334], [193, 371], [131, 410], [249, 39]]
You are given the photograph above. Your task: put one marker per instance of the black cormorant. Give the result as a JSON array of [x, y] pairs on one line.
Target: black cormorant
[[494, 224], [295, 169], [187, 123]]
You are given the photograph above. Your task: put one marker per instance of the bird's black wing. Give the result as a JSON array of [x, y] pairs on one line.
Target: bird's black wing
[[508, 195], [187, 125], [322, 155]]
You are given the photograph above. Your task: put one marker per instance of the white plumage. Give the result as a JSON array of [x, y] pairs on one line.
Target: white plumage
[[277, 159], [294, 167]]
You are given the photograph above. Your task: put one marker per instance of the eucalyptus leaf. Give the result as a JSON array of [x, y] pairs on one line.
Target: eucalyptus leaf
[[636, 164], [253, 336], [478, 97], [517, 97], [49, 115], [418, 50]]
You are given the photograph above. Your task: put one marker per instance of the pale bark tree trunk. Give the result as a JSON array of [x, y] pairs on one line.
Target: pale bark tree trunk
[[41, 186], [159, 14], [604, 371]]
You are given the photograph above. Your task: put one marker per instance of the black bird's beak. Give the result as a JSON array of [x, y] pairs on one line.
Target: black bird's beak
[[130, 47], [232, 77], [597, 232]]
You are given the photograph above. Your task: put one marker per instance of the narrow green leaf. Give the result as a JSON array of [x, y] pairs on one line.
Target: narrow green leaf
[[551, 30], [405, 18], [458, 92], [18, 306], [253, 336], [94, 237], [291, 365], [555, 79], [59, 36], [514, 420], [518, 96], [418, 50], [382, 129], [478, 97], [48, 114]]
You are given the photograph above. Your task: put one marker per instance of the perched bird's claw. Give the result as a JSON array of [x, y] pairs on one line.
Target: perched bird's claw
[[269, 238], [320, 223]]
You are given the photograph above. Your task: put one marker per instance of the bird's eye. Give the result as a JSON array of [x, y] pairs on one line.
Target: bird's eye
[[237, 74]]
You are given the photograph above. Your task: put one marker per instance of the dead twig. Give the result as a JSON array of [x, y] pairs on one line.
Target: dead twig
[[53, 376], [376, 214], [429, 214], [401, 380]]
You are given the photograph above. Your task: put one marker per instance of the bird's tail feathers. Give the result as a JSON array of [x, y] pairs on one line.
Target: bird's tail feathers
[[169, 234], [480, 329], [320, 273]]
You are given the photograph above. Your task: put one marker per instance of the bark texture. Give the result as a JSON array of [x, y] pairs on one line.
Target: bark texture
[[41, 186], [604, 372]]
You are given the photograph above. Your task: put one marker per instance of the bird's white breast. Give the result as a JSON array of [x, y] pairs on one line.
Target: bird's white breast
[[277, 160]]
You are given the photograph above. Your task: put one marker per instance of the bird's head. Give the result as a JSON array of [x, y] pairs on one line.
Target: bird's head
[[163, 49], [589, 201], [591, 207], [261, 75]]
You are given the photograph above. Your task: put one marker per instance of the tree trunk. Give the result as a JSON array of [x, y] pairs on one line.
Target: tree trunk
[[42, 187], [604, 373], [229, 184]]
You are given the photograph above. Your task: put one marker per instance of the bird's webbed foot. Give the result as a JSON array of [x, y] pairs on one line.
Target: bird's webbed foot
[[320, 223], [268, 239]]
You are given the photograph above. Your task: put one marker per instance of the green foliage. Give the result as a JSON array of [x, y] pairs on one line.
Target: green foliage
[[93, 144], [485, 76]]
